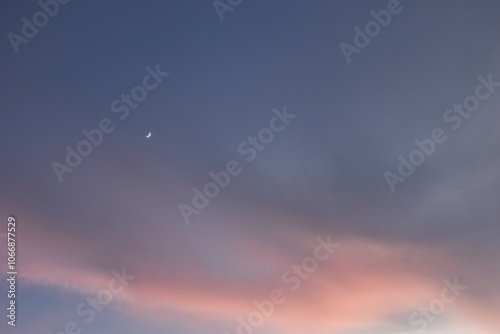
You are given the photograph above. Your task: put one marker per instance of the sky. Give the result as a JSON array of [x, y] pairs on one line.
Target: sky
[[303, 174]]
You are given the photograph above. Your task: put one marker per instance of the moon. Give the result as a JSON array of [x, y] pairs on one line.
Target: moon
[[149, 135]]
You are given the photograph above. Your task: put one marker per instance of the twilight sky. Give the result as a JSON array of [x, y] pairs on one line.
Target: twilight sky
[[305, 141]]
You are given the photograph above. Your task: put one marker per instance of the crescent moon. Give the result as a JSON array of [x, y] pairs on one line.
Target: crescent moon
[[149, 135]]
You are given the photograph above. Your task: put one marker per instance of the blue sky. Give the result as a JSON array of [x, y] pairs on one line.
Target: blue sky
[[323, 175]]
